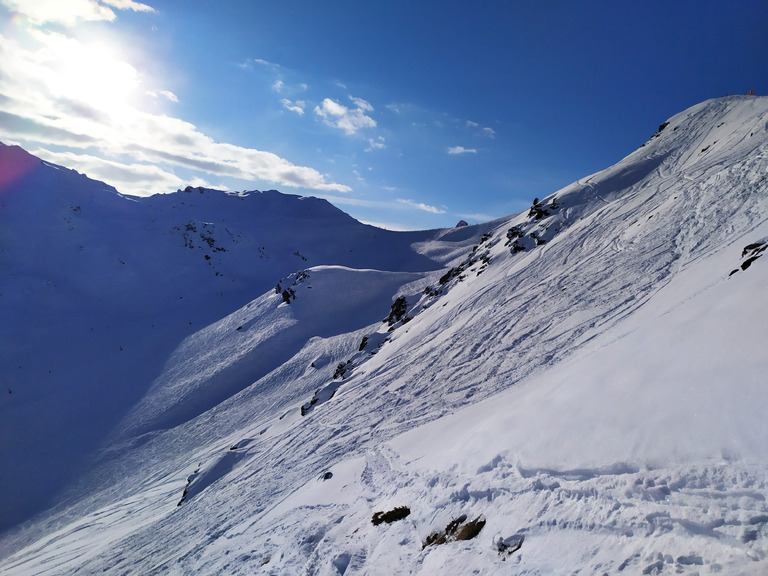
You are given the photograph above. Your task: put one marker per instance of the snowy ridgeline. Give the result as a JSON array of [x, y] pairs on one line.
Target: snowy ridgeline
[[580, 388]]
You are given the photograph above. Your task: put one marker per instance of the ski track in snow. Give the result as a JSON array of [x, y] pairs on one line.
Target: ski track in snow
[[541, 392]]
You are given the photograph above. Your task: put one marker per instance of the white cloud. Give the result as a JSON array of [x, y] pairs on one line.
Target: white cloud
[[128, 5], [457, 150], [167, 94], [67, 12], [248, 63], [54, 95], [70, 12], [421, 206], [485, 131], [332, 108], [297, 106], [379, 205], [350, 120], [377, 143], [278, 86], [361, 104], [477, 217], [386, 225], [140, 179]]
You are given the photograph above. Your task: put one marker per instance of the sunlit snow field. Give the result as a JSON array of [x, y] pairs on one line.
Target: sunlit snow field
[[586, 380]]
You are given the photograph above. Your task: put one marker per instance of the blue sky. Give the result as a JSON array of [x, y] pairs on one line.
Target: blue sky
[[404, 114]]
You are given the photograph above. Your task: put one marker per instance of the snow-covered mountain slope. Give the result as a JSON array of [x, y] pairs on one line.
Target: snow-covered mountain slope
[[580, 388], [98, 289]]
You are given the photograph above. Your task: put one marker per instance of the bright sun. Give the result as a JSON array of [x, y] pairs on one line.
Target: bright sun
[[95, 75]]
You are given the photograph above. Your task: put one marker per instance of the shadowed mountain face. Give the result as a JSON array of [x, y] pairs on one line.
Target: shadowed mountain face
[[265, 373], [99, 288]]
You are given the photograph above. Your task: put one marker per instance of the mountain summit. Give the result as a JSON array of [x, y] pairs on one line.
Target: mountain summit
[[257, 383]]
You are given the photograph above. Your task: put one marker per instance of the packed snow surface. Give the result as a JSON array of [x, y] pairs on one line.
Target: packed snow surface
[[255, 383]]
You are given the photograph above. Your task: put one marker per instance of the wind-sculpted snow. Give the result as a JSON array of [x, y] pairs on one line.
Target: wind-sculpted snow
[[583, 384], [228, 356]]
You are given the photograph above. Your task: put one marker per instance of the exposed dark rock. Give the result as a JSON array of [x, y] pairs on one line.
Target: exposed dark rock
[[189, 482], [397, 312], [470, 529], [342, 369], [750, 253], [513, 233], [288, 295], [306, 407], [456, 529], [447, 276], [390, 516]]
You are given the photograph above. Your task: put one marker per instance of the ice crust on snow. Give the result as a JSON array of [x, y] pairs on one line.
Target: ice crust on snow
[[597, 394]]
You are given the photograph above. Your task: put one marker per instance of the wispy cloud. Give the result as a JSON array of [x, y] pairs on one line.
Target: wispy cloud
[[421, 206], [287, 89], [477, 217], [128, 5], [378, 143], [349, 119], [361, 104], [381, 206], [483, 131], [248, 64], [294, 106], [458, 150], [167, 94]]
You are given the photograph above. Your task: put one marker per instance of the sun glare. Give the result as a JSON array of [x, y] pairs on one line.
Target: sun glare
[[95, 75], [101, 80]]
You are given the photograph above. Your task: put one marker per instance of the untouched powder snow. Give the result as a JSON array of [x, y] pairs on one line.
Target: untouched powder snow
[[577, 389]]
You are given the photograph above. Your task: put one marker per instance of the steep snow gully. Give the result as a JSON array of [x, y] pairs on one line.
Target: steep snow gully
[[255, 383]]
